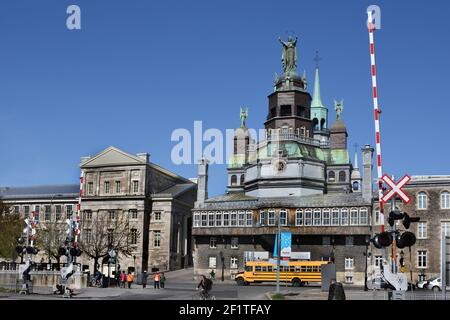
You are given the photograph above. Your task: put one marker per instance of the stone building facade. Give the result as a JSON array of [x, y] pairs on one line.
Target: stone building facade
[[156, 202], [431, 203], [300, 175]]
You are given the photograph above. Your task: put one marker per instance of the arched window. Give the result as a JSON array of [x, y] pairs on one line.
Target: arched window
[[322, 124], [445, 200], [422, 200], [316, 124], [331, 176], [233, 180], [299, 217], [342, 176], [355, 186], [242, 179]]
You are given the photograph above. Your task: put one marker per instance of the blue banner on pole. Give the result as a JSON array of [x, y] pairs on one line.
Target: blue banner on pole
[[286, 244]]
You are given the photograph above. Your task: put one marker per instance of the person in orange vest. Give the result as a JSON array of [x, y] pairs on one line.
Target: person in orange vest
[[156, 279], [130, 279]]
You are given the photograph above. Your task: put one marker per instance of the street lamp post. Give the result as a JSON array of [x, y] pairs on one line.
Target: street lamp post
[[134, 259], [278, 244], [366, 256], [222, 258]]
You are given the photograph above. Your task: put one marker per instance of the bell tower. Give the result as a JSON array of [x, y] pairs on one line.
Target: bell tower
[[290, 103]]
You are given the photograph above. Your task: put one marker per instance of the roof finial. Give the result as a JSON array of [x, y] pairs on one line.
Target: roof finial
[[243, 116], [317, 59]]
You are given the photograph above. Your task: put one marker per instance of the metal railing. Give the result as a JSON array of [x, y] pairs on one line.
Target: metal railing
[[297, 138]]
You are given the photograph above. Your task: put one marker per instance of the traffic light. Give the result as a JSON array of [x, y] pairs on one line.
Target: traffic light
[[406, 239], [394, 215], [62, 251], [75, 252], [407, 220], [381, 240]]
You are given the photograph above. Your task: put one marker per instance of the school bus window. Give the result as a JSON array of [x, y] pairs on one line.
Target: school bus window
[[269, 269], [303, 268], [314, 269], [258, 269], [264, 269], [308, 269], [291, 269], [297, 269], [249, 268]]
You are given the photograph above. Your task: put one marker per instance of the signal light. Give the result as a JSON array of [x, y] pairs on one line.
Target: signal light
[[383, 239], [407, 239], [408, 220], [394, 215], [19, 249]]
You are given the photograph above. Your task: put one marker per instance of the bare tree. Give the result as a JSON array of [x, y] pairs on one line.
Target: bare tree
[[51, 238], [11, 226], [104, 231]]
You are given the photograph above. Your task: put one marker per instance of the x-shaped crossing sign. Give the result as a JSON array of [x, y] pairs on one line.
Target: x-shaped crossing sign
[[396, 188]]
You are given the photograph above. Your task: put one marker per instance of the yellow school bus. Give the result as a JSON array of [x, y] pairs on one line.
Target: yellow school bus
[[298, 273]]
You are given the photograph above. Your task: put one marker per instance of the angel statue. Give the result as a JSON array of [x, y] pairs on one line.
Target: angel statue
[[289, 56], [244, 115], [339, 108]]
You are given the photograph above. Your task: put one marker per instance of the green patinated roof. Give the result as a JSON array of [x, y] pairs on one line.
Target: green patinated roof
[[294, 150], [339, 156]]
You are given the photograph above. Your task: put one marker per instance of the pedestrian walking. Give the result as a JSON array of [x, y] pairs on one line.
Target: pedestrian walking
[[212, 275], [123, 278], [130, 279], [156, 280], [117, 276], [144, 279], [162, 280]]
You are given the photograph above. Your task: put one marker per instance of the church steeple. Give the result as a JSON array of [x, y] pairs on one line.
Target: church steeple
[[319, 113]]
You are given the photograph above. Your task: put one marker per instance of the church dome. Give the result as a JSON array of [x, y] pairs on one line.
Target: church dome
[[338, 126]]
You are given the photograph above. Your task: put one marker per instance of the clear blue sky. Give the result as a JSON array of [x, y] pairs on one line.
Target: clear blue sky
[[139, 69]]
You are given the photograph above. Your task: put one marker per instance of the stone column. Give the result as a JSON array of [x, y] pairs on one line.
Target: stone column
[[367, 187], [202, 192]]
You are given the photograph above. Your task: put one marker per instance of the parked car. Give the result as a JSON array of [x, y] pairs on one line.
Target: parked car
[[422, 284], [434, 284]]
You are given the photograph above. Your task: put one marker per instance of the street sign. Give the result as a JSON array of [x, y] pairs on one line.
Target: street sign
[[396, 188]]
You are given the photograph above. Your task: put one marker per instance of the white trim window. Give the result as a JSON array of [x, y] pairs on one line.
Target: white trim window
[[378, 261], [363, 216], [308, 217], [283, 217], [213, 243], [271, 217], [135, 186], [354, 216], [299, 217], [445, 228], [317, 217], [249, 218], [212, 262], [133, 214], [233, 263], [196, 219], [422, 259], [241, 218], [204, 219], [211, 216], [349, 263], [445, 200], [234, 243], [326, 217], [422, 230], [335, 217], [377, 217], [422, 200], [344, 217], [262, 218], [226, 218], [157, 238], [218, 219], [233, 218]]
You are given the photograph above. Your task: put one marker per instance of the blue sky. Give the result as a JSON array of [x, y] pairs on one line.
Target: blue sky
[[140, 69]]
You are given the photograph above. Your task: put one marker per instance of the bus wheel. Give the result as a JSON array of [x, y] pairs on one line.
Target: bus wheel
[[240, 281], [296, 283]]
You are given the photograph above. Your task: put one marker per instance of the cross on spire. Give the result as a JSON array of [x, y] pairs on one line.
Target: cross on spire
[[317, 59]]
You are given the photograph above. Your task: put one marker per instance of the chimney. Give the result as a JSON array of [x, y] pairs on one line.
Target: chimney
[[367, 188], [202, 182], [144, 156]]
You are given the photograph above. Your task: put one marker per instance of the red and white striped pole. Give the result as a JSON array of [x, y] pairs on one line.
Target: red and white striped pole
[[377, 117], [78, 217]]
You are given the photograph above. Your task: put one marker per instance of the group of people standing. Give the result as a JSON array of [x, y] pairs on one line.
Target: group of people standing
[[122, 279], [159, 280]]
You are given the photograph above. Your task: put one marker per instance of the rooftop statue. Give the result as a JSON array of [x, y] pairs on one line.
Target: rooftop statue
[[243, 116], [289, 56], [339, 108]]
